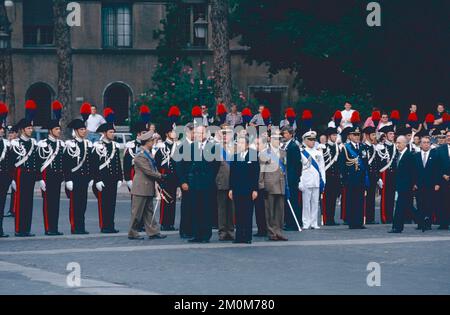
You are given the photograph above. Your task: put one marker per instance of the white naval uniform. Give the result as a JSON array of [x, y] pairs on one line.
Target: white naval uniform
[[310, 187]]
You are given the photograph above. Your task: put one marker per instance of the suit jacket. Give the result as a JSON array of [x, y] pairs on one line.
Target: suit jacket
[[293, 164], [223, 174], [144, 177], [406, 172], [271, 176], [244, 175], [428, 176], [444, 160], [352, 176]]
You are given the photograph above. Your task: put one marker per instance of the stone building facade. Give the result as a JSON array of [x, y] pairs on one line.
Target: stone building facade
[[114, 54]]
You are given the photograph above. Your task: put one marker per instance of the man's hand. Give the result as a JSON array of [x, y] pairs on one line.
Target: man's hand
[[42, 185], [13, 185], [380, 183], [415, 187], [69, 185], [100, 186], [230, 195], [437, 187], [446, 177], [185, 187], [119, 183], [254, 195], [130, 184], [91, 183]]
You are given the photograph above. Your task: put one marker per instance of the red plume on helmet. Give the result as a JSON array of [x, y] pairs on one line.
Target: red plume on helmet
[[429, 119], [174, 114], [395, 116], [3, 113], [413, 120], [355, 119], [144, 113], [290, 115], [337, 118], [85, 111], [109, 115], [221, 109], [196, 112], [57, 108], [446, 117], [307, 119], [30, 109], [266, 116], [376, 116], [246, 115]]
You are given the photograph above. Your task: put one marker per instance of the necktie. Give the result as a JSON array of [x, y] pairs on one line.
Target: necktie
[[424, 159]]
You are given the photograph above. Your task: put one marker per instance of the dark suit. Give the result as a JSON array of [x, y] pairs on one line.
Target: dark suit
[[293, 173], [427, 178], [244, 175], [444, 161], [404, 183]]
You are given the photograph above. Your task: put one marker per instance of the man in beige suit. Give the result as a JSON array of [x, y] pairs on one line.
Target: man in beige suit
[[143, 190], [272, 183], [224, 203]]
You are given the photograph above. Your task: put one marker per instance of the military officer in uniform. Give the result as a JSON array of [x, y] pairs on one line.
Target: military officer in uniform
[[51, 152], [5, 175], [13, 133], [166, 166], [26, 166], [77, 165], [333, 182], [353, 169], [387, 170], [272, 181], [373, 167], [108, 177], [312, 181]]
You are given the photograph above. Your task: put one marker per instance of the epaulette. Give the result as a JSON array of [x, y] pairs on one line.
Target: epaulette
[[130, 145]]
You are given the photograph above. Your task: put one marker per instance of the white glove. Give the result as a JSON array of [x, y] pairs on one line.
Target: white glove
[[13, 185], [119, 183], [300, 186], [42, 185], [380, 183], [99, 186], [69, 186], [130, 184], [91, 183]]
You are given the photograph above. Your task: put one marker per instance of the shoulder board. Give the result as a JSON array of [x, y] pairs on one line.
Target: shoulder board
[[42, 144], [130, 145]]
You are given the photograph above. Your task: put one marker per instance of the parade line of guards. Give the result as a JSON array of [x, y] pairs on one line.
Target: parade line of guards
[[287, 176]]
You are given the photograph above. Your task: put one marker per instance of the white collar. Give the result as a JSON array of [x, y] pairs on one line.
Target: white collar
[[404, 150], [79, 139], [24, 138], [51, 138], [105, 140]]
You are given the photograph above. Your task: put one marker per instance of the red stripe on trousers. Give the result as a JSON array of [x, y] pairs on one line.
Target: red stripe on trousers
[[71, 213], [17, 200], [100, 209], [45, 206], [383, 198]]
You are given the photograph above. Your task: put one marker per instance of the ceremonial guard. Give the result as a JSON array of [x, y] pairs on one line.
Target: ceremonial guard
[[225, 204], [443, 153], [77, 164], [387, 170], [166, 166], [131, 149], [353, 169], [26, 166], [5, 166], [13, 133], [272, 182], [312, 181], [333, 181], [51, 152], [370, 147], [108, 177]]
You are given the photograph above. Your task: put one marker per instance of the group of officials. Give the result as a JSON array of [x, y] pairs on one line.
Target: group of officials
[[290, 179]]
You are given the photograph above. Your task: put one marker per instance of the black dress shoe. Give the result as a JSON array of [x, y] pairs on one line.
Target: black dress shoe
[[194, 240], [3, 235], [157, 237], [24, 235], [53, 233], [84, 232], [184, 235], [394, 231], [372, 223], [9, 215], [109, 231], [260, 234]]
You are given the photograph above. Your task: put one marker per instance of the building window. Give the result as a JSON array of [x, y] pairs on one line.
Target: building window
[[43, 95], [192, 12], [118, 96], [38, 25], [116, 26]]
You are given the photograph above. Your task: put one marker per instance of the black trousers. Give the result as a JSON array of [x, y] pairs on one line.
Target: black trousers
[[186, 213], [403, 204], [244, 217], [51, 199], [369, 210], [202, 212], [330, 196], [167, 210], [106, 201], [293, 198], [443, 210], [425, 203], [23, 201], [387, 197], [4, 186], [78, 203], [260, 213], [355, 206]]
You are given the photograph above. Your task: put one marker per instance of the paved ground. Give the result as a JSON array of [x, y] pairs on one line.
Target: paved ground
[[327, 261]]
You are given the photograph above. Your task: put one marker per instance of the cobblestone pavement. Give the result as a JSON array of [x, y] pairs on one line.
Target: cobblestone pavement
[[332, 260]]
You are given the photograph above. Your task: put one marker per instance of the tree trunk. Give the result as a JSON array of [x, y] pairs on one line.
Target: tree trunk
[[221, 48], [6, 68], [64, 55]]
